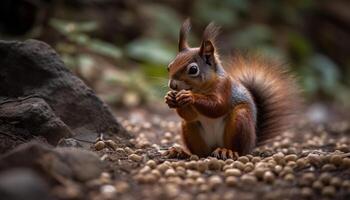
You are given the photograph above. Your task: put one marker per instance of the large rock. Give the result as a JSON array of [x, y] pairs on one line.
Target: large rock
[[71, 163], [41, 97]]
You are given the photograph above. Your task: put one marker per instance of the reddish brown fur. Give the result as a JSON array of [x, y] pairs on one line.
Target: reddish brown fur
[[275, 93], [273, 90]]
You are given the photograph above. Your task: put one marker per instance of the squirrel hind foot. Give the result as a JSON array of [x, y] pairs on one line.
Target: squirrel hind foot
[[223, 153], [176, 152]]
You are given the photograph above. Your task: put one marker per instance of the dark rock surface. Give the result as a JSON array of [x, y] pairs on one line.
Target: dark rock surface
[[19, 184], [70, 163], [41, 97]]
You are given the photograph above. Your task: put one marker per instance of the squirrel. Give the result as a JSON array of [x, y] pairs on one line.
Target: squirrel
[[227, 111]]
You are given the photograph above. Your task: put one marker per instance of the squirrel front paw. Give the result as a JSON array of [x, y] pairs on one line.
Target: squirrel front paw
[[170, 99], [223, 153], [176, 152], [184, 98]]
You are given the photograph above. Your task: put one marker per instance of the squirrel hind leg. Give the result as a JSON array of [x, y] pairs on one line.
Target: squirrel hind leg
[[240, 133], [193, 140]]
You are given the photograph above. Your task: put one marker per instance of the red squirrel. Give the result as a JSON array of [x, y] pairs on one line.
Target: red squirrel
[[227, 111]]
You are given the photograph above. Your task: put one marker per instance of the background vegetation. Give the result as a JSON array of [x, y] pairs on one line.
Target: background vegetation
[[121, 47]]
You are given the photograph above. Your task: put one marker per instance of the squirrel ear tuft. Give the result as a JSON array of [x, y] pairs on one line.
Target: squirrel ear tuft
[[185, 29], [207, 49]]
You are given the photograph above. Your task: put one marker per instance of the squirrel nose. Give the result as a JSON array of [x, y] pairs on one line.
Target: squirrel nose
[[172, 84]]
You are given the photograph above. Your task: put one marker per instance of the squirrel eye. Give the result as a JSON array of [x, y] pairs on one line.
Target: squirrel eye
[[192, 69]]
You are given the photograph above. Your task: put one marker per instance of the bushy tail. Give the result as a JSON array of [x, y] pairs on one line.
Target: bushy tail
[[274, 90]]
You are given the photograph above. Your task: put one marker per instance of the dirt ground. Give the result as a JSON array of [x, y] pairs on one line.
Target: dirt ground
[[312, 161]]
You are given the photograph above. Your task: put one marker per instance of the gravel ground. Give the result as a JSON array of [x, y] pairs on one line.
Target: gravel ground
[[308, 162]]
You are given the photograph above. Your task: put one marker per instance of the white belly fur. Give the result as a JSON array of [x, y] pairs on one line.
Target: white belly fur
[[212, 130]]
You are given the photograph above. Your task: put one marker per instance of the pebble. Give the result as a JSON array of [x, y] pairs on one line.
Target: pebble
[[329, 167], [269, 177], [239, 165], [135, 157], [152, 164], [336, 160], [289, 177], [111, 144], [328, 191], [122, 187], [194, 157], [243, 159], [317, 185], [99, 145], [214, 164], [192, 174], [170, 172], [291, 157], [306, 192], [233, 172], [214, 181], [336, 182], [108, 191], [325, 177], [202, 166], [307, 179], [346, 163], [191, 165], [248, 179], [231, 181]]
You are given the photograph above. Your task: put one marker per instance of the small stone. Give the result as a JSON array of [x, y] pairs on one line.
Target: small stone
[[243, 159], [307, 179], [111, 144], [146, 169], [163, 167], [99, 145], [346, 184], [191, 165], [248, 179], [239, 165], [156, 173], [129, 150], [202, 166], [256, 159], [135, 157], [325, 177], [108, 191], [214, 164], [317, 185], [122, 187], [170, 172], [214, 181], [289, 177], [346, 163], [231, 181], [233, 172], [269, 177], [291, 157], [301, 162], [328, 191], [329, 167], [336, 182], [229, 161], [306, 192], [278, 169], [336, 160], [194, 157], [259, 172], [152, 164], [192, 174]]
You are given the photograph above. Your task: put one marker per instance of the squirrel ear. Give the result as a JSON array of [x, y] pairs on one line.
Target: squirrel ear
[[207, 49], [185, 29]]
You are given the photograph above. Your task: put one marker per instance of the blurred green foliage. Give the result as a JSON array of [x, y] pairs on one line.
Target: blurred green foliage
[[150, 32]]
